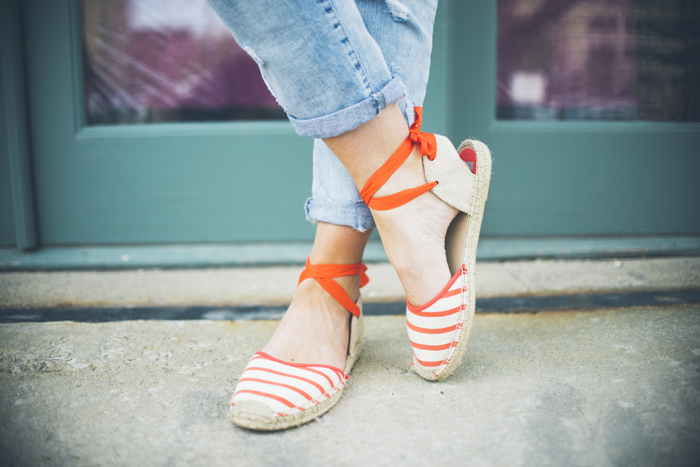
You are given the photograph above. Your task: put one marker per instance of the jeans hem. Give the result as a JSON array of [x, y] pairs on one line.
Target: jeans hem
[[353, 214], [337, 123]]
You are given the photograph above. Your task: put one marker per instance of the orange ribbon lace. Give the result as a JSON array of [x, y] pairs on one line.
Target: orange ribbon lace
[[428, 144], [324, 273], [428, 147]]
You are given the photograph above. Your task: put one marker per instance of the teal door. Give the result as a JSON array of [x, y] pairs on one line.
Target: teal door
[[102, 181], [582, 157], [109, 173], [118, 174]]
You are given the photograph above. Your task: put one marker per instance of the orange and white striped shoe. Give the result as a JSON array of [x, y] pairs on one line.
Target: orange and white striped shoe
[[439, 330], [273, 395]]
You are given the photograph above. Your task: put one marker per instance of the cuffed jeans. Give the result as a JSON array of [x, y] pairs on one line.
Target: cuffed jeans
[[334, 65]]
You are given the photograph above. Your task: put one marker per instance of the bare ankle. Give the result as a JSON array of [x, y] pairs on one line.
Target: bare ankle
[[364, 149]]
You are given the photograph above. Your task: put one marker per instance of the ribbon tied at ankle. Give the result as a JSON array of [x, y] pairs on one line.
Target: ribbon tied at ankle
[[323, 274], [427, 142], [428, 148]]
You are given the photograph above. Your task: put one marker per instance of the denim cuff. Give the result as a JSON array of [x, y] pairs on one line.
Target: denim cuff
[[337, 123], [350, 213]]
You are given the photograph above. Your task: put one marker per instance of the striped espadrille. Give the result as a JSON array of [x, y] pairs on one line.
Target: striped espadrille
[[439, 330], [272, 394], [279, 391], [460, 246], [434, 328]]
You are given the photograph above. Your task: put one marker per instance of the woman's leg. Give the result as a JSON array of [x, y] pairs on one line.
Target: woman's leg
[[306, 334], [318, 59], [353, 90], [404, 33], [315, 327], [340, 81], [413, 234], [333, 80]]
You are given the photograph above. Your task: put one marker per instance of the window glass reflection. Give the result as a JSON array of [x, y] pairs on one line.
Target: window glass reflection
[[599, 60], [167, 61]]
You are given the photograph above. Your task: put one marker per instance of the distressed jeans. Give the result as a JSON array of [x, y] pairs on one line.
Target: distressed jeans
[[334, 65]]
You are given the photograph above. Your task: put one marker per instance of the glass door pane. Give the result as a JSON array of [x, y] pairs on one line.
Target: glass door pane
[[160, 182], [560, 167], [167, 61], [598, 60]]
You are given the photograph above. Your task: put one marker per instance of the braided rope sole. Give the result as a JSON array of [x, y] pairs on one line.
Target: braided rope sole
[[471, 240]]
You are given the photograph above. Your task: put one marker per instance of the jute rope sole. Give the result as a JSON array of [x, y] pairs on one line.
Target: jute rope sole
[[461, 245]]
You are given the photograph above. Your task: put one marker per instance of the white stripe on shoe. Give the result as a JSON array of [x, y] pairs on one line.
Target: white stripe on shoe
[[434, 328], [286, 388]]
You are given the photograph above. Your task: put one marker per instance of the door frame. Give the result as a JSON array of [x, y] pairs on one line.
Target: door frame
[[18, 191]]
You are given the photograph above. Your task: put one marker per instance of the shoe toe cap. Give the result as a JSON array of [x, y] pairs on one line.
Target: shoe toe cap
[[244, 413]]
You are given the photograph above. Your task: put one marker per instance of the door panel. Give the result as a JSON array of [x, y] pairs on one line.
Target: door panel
[[174, 182], [247, 181], [567, 177], [242, 181]]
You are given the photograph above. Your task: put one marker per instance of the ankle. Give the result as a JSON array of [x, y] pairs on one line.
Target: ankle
[[366, 148], [351, 285], [409, 175]]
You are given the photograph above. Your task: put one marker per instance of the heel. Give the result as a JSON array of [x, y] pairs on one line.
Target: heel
[[456, 184], [357, 327], [466, 191], [460, 246]]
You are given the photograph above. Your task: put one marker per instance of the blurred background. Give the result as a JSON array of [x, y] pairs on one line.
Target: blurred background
[[138, 133]]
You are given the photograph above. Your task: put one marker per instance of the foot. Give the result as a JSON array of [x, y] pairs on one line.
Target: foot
[[315, 328], [414, 234]]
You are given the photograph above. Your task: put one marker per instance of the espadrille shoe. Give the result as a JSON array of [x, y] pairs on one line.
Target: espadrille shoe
[[273, 395], [439, 330]]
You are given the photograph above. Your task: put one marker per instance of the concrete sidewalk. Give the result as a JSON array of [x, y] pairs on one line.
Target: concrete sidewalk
[[612, 387], [606, 388], [276, 285]]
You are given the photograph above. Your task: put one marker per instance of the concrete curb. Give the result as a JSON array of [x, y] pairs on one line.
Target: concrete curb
[[273, 286]]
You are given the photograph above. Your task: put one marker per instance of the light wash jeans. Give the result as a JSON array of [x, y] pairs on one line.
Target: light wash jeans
[[334, 65]]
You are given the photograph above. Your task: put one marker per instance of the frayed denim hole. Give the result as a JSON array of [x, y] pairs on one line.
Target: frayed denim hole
[[395, 70], [379, 100], [361, 219], [269, 88], [249, 50], [397, 10], [307, 209], [358, 223]]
